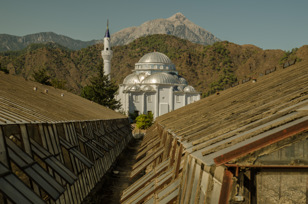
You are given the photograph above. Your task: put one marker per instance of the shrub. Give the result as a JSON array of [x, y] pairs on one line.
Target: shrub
[[144, 121], [42, 77], [4, 69], [133, 116]]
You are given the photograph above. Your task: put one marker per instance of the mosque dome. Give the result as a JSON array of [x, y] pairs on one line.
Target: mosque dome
[[142, 76], [160, 78], [178, 88], [134, 88], [147, 88], [156, 61], [189, 89], [182, 81], [155, 57], [131, 79]]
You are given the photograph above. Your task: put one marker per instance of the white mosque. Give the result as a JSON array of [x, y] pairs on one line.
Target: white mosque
[[154, 86]]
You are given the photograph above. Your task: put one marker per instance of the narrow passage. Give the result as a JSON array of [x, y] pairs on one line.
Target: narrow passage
[[109, 189]]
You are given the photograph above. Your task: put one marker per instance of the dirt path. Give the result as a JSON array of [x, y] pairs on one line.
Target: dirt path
[[109, 189]]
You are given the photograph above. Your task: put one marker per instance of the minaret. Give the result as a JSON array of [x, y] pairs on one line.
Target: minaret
[[107, 53]]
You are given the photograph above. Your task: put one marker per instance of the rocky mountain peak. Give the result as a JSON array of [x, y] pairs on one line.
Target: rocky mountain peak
[[177, 25], [178, 16]]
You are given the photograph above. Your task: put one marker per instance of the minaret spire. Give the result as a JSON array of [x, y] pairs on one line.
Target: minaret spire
[[107, 34], [107, 52]]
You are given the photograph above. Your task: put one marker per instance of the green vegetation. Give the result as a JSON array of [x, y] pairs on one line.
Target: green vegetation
[[58, 83], [144, 121], [133, 116], [207, 68], [221, 62], [41, 76], [289, 55], [3, 69], [102, 90]]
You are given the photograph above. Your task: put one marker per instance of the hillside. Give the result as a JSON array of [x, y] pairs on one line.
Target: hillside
[[207, 68], [11, 42], [177, 25]]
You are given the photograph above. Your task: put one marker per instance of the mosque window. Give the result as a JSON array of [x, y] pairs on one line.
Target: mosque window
[[161, 67], [177, 98], [136, 98], [149, 99]]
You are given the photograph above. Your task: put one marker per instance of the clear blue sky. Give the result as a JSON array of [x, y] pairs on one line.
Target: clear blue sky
[[269, 24]]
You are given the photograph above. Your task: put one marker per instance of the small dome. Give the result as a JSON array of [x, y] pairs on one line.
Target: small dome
[[189, 89], [160, 78], [155, 57], [178, 88], [135, 88], [127, 88], [142, 76], [148, 88], [131, 79], [175, 88], [182, 81]]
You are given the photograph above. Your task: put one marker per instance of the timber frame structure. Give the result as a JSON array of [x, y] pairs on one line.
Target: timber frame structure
[[246, 145], [54, 147]]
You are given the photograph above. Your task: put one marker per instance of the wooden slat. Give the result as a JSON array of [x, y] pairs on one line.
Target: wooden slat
[[146, 163], [144, 180], [149, 147]]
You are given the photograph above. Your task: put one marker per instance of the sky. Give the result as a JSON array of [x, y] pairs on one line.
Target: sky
[[268, 24]]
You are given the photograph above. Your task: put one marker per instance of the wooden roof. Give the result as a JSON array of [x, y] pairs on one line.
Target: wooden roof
[[246, 114], [19, 103]]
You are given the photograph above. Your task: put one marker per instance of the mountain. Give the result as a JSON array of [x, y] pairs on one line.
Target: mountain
[[177, 25], [11, 42], [208, 68]]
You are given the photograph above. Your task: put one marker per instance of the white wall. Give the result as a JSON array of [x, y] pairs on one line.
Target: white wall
[[163, 100], [135, 103], [149, 104], [178, 103]]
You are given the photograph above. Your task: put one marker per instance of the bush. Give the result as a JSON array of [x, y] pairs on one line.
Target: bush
[[58, 83], [42, 77], [4, 69], [144, 121], [133, 116]]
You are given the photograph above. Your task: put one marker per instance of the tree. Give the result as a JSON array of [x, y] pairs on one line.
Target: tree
[[102, 90], [41, 77], [144, 121], [4, 69]]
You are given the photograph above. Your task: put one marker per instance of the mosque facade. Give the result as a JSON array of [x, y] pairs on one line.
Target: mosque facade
[[154, 86]]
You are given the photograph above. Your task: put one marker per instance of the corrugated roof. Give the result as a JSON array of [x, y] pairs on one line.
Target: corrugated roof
[[240, 115], [20, 103], [221, 129]]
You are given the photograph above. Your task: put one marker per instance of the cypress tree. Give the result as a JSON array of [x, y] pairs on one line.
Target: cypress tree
[[102, 90]]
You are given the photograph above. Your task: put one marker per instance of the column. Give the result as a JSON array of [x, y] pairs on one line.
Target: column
[[143, 101], [171, 99], [157, 102]]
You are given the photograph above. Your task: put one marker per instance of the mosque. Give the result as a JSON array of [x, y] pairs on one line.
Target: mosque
[[154, 86]]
